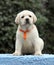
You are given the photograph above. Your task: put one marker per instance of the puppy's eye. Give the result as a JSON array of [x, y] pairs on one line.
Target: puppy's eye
[[30, 16], [22, 17]]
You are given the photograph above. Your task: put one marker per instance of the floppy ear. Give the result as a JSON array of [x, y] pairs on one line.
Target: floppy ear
[[17, 18], [34, 18]]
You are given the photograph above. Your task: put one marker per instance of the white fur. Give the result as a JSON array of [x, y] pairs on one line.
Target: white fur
[[32, 40]]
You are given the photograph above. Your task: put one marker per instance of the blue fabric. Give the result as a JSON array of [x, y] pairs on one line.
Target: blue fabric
[[9, 59]]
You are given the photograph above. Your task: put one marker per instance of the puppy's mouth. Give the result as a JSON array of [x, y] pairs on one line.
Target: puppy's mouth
[[26, 23]]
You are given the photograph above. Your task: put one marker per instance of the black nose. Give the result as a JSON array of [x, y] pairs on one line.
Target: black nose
[[27, 20]]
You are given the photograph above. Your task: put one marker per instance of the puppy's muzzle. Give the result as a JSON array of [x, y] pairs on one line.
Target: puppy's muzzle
[[27, 21]]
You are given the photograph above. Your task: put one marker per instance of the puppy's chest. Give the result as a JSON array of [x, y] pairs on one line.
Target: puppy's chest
[[26, 36], [28, 40]]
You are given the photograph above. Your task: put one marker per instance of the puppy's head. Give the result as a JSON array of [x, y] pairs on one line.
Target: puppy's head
[[25, 18]]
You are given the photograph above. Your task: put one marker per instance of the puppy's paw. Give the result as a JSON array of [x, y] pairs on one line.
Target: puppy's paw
[[38, 53], [16, 53]]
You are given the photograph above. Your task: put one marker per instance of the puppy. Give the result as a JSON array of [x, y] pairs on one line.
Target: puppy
[[27, 37]]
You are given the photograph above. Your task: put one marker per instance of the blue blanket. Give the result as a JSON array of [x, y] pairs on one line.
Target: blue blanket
[[9, 59]]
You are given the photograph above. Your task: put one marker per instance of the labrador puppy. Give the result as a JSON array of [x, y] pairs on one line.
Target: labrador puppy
[[27, 37]]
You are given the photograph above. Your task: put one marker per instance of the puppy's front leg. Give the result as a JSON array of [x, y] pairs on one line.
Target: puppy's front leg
[[18, 47]]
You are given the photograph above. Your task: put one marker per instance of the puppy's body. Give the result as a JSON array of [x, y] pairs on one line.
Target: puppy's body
[[33, 44]]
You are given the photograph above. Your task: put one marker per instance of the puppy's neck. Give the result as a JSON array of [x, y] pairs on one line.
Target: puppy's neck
[[24, 28]]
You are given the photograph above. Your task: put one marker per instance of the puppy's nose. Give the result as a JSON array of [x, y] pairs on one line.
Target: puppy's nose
[[27, 20]]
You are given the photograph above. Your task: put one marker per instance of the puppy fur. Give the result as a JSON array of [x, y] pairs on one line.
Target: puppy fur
[[33, 43]]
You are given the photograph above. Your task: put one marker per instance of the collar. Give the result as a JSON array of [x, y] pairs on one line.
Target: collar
[[25, 33]]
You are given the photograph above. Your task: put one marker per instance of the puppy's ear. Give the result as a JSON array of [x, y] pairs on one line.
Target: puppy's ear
[[17, 19], [34, 18]]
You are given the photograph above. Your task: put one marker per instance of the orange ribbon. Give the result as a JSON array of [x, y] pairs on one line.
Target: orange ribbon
[[25, 33]]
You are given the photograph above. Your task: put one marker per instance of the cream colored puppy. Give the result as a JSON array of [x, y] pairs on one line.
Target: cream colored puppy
[[27, 37]]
